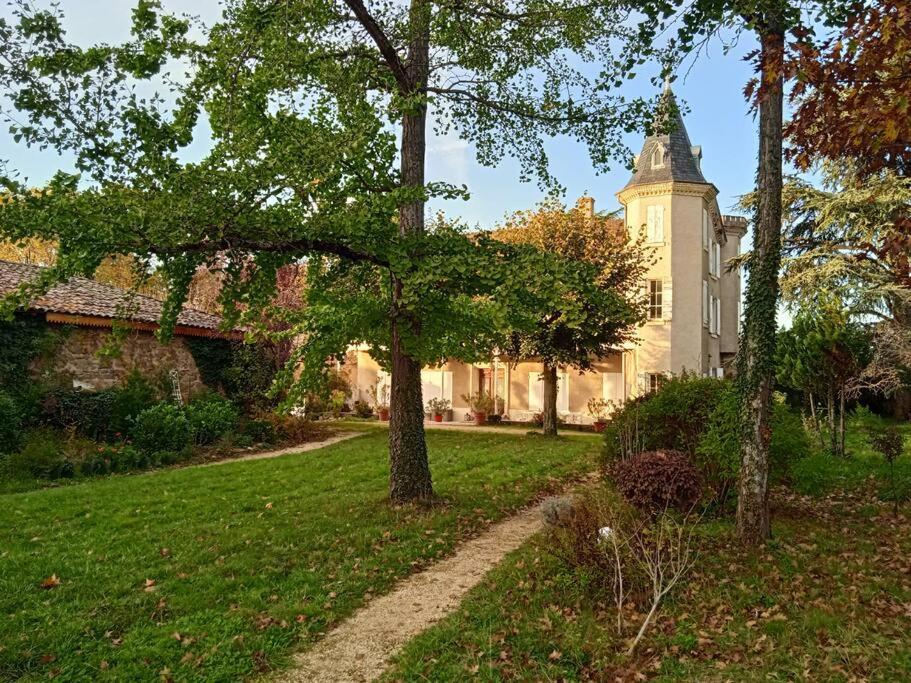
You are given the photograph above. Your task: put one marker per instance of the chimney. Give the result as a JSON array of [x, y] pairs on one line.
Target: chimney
[[587, 205]]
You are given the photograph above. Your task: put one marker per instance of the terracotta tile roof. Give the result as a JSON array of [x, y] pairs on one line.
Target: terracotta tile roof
[[83, 297]]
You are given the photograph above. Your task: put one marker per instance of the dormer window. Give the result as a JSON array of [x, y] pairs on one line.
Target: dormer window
[[658, 157]]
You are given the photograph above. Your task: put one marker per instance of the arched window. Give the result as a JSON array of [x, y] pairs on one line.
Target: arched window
[[658, 157]]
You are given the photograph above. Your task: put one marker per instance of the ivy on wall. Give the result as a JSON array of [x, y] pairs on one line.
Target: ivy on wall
[[23, 339], [244, 372]]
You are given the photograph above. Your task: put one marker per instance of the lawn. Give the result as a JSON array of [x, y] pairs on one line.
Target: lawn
[[829, 598], [219, 573]]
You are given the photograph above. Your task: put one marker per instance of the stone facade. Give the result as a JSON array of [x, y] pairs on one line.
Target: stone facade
[[77, 360]]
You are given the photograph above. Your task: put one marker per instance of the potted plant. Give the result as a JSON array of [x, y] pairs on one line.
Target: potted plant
[[481, 405], [598, 408], [380, 395], [437, 407]]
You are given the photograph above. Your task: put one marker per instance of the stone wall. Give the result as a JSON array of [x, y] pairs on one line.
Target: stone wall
[[76, 360]]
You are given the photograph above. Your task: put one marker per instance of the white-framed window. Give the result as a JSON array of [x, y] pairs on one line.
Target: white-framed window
[[653, 380], [705, 229], [436, 384], [654, 223], [658, 157], [655, 299], [705, 303], [718, 373], [714, 315]]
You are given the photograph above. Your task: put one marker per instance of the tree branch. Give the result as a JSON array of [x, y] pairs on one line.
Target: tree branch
[[386, 48]]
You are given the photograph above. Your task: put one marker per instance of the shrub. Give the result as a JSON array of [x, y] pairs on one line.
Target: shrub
[[10, 423], [42, 457], [291, 428], [363, 409], [89, 413], [654, 481], [718, 453], [136, 394], [258, 430], [163, 427], [210, 417], [671, 418]]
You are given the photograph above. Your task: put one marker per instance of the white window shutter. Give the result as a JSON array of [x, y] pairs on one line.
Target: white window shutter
[[562, 393], [650, 224], [705, 303], [667, 300], [612, 386], [705, 229], [712, 315], [717, 260], [535, 392], [718, 315], [659, 223]]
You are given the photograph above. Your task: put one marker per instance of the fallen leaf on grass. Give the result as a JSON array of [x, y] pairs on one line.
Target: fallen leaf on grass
[[50, 582], [555, 655]]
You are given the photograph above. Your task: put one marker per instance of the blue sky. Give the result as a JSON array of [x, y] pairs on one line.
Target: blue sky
[[719, 120]]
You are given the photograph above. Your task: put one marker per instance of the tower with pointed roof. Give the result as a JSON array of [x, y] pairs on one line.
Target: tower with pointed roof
[[693, 304]]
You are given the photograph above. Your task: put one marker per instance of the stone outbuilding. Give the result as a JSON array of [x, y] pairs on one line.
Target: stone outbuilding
[[87, 312]]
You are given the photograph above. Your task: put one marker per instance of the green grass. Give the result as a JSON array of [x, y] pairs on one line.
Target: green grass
[[219, 573], [819, 473], [828, 599]]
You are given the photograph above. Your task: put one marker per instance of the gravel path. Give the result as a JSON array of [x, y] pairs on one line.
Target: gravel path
[[302, 448], [360, 647]]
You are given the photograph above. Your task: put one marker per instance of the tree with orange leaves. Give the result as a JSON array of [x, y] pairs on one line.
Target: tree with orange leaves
[[853, 92], [612, 303]]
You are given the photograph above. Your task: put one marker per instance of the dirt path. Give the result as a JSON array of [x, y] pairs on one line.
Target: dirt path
[[302, 448], [360, 647]]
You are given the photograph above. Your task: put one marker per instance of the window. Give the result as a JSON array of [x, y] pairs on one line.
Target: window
[[705, 303], [712, 315], [718, 316], [654, 224], [715, 315], [655, 299], [654, 381], [658, 157], [705, 229], [717, 260]]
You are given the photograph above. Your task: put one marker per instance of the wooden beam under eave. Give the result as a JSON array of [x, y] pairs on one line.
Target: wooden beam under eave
[[99, 321]]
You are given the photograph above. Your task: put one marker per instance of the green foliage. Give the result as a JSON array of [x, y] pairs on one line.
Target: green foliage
[[257, 430], [210, 417], [699, 416], [135, 395], [363, 409], [41, 457], [163, 427], [672, 418], [10, 423], [23, 339], [244, 372], [89, 413], [718, 452]]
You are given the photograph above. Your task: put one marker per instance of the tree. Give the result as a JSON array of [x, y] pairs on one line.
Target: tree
[[849, 240], [853, 93], [770, 21], [318, 115], [594, 318], [823, 354]]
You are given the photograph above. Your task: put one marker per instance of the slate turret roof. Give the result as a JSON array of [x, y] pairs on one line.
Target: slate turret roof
[[681, 159]]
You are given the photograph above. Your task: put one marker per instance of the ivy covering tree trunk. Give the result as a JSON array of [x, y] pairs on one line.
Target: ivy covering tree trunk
[[756, 361]]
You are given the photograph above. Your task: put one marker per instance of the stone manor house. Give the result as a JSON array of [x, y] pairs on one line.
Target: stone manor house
[[693, 304]]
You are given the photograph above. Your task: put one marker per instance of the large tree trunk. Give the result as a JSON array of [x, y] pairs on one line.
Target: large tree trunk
[[409, 476], [549, 378], [756, 364]]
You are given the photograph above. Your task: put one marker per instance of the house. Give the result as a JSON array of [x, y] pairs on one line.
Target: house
[[693, 304], [87, 312]]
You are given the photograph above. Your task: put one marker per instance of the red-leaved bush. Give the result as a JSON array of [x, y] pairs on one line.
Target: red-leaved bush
[[657, 480]]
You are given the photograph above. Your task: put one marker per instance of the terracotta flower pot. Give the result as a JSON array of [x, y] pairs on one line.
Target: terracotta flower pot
[[384, 414], [438, 417], [599, 426], [480, 417]]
